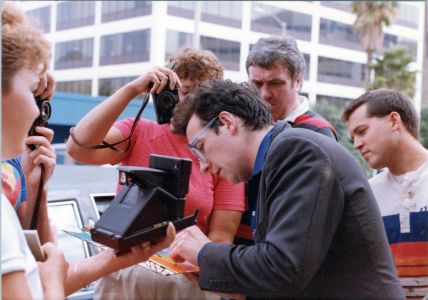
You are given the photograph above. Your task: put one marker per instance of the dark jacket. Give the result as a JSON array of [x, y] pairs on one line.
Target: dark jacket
[[319, 231]]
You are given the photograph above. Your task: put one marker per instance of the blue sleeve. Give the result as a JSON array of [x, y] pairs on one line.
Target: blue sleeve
[[16, 163]]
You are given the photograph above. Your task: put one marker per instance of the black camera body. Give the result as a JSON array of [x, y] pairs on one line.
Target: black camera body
[[42, 120], [149, 199], [165, 103]]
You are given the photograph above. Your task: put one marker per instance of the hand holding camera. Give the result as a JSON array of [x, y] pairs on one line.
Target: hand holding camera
[[155, 81]]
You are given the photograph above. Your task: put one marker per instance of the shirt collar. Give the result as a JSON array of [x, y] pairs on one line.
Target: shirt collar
[[261, 153], [299, 110]]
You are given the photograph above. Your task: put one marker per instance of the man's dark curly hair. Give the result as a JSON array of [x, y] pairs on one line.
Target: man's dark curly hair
[[210, 98]]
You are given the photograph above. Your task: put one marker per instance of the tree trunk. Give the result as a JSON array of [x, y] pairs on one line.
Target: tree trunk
[[368, 70]]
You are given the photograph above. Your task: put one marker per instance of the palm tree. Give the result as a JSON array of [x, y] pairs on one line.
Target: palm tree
[[392, 71], [371, 16]]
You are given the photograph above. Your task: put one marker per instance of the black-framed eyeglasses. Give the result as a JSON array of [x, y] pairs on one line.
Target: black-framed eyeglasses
[[198, 153]]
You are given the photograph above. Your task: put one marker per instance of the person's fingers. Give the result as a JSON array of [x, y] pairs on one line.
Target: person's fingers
[[48, 163], [163, 79], [50, 89], [42, 85], [170, 236], [45, 132]]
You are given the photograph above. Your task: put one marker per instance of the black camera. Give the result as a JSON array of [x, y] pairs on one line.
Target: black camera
[[42, 120], [149, 199], [164, 103]]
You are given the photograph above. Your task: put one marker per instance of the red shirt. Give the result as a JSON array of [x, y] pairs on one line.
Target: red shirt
[[207, 192]]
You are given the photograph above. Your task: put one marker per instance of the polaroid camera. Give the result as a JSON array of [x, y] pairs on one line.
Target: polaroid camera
[[149, 199]]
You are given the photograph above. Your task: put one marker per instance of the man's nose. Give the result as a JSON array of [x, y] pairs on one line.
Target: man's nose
[[358, 143], [204, 166], [265, 92]]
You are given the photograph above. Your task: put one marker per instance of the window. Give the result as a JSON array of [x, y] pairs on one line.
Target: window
[[66, 215], [340, 72], [407, 15], [117, 10], [79, 86], [336, 101], [390, 40], [182, 9], [228, 13], [341, 5], [125, 47], [176, 40], [74, 54], [102, 201], [228, 52], [271, 20], [72, 14], [308, 65], [41, 17], [338, 34], [107, 86]]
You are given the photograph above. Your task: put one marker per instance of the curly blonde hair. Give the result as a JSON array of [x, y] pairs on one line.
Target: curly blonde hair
[[196, 64], [23, 45]]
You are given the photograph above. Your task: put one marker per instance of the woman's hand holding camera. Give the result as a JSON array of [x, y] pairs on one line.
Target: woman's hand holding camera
[[155, 80], [44, 155]]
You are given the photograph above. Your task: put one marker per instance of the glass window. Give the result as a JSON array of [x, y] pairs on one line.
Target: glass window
[[336, 101], [117, 10], [272, 20], [340, 72], [74, 54], [228, 52], [78, 86], [407, 15], [308, 65], [228, 13], [107, 86], [41, 17], [390, 40], [338, 34], [125, 47], [341, 5], [176, 40], [72, 14], [65, 215], [183, 9]]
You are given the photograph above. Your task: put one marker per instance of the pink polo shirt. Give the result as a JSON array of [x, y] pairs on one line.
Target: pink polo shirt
[[207, 192]]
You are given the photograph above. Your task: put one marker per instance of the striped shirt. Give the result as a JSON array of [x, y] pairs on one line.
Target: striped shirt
[[403, 202]]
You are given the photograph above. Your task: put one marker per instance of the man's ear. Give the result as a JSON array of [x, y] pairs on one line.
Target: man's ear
[[395, 119], [298, 83], [229, 121]]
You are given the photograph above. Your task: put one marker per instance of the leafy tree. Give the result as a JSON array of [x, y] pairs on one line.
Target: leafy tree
[[333, 114], [371, 16], [391, 71], [424, 126]]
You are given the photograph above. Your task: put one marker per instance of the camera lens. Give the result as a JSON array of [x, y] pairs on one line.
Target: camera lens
[[45, 111], [167, 100]]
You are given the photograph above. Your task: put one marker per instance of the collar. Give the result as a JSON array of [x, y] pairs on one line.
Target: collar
[[299, 110], [261, 153]]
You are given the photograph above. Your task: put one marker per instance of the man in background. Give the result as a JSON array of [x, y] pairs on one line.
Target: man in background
[[384, 126]]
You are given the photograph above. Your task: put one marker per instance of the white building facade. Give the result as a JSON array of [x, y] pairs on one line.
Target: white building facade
[[97, 46]]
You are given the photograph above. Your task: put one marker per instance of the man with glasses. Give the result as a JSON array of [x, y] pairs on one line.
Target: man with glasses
[[318, 230]]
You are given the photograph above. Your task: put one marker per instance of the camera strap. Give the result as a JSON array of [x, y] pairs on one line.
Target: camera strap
[[112, 146], [35, 217]]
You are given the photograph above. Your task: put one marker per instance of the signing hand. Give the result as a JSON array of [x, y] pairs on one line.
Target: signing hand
[[187, 245]]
